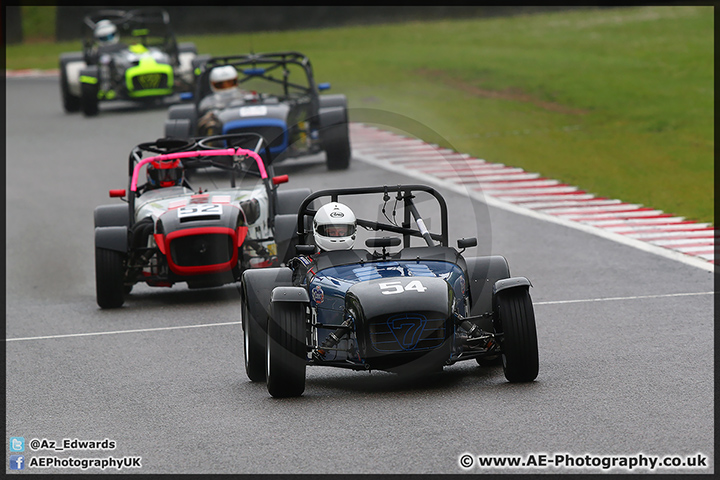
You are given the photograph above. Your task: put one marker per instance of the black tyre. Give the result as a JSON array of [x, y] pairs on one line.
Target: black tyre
[[257, 286], [187, 47], [178, 128], [286, 237], [519, 335], [70, 102], [109, 272], [286, 350], [255, 339], [288, 201], [483, 272], [89, 99], [200, 60], [186, 117], [111, 216], [337, 147]]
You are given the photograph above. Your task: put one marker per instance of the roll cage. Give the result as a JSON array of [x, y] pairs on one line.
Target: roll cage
[[403, 193], [261, 65], [150, 26], [205, 152]]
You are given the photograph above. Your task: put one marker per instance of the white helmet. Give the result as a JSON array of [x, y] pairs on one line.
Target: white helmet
[[223, 78], [105, 32], [334, 227]]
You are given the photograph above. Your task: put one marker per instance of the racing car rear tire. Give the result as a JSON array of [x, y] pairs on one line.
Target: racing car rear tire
[[178, 128], [181, 121], [109, 270], [111, 216], [200, 60], [187, 47], [71, 103], [89, 99], [288, 201], [286, 237], [519, 335], [337, 147], [286, 350]]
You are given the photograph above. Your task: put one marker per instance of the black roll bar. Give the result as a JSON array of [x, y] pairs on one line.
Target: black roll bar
[[406, 192]]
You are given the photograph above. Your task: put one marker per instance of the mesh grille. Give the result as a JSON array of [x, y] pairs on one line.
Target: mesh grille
[[200, 250], [406, 332], [150, 81]]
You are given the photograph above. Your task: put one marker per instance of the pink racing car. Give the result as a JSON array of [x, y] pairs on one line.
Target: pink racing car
[[168, 231]]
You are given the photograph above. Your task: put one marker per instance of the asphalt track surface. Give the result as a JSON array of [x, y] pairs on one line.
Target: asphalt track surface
[[625, 338]]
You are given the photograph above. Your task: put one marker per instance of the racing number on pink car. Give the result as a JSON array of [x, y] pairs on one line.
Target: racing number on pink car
[[199, 210], [391, 288]]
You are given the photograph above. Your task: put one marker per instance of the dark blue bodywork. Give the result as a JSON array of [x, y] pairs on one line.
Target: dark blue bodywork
[[329, 286]]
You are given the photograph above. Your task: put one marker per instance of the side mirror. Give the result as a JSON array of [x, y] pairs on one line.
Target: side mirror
[[323, 86], [305, 249], [467, 242], [383, 242], [117, 193]]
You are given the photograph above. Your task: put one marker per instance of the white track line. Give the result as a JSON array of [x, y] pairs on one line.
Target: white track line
[[613, 299], [370, 142], [117, 332], [181, 327]]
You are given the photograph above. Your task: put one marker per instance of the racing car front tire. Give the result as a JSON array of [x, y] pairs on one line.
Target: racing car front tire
[[71, 103], [254, 351], [286, 350], [257, 285], [109, 271], [519, 335]]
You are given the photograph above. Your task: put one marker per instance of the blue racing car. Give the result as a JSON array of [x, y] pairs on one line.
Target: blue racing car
[[272, 94], [414, 309]]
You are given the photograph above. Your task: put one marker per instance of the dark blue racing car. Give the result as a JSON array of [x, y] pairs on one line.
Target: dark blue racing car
[[414, 309], [271, 94]]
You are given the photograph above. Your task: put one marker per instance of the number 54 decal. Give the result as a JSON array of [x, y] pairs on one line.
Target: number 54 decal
[[391, 288]]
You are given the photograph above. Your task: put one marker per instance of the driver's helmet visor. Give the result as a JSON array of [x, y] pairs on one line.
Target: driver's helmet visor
[[106, 38], [225, 84], [336, 230], [167, 174]]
